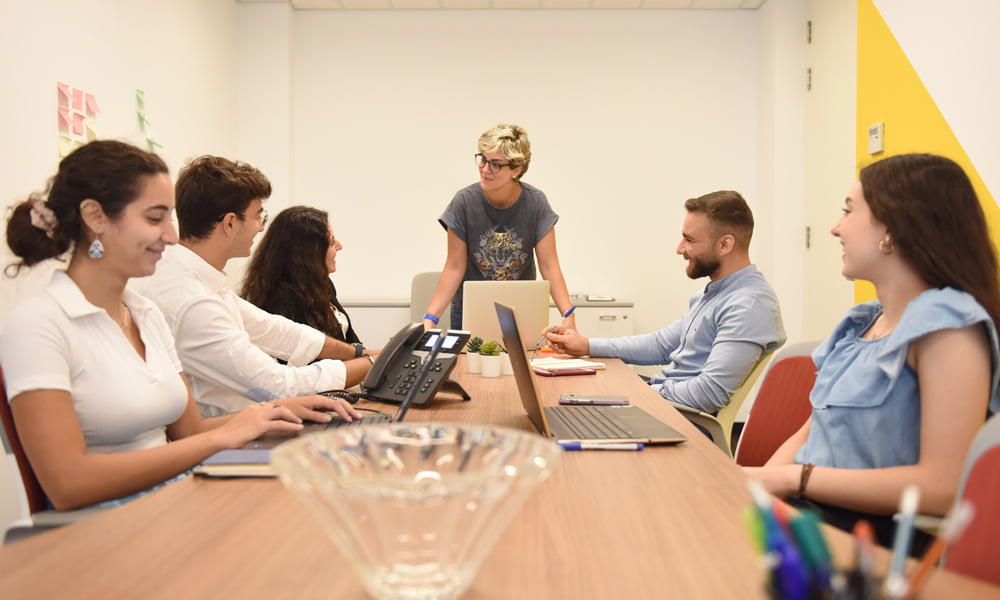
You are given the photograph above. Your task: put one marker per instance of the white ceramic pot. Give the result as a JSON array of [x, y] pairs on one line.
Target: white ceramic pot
[[491, 365], [473, 362], [505, 367]]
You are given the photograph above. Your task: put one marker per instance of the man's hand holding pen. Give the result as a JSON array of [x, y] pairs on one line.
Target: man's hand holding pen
[[564, 340]]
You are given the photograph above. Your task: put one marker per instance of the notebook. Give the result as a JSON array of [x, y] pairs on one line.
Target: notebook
[[530, 298], [254, 459], [569, 423]]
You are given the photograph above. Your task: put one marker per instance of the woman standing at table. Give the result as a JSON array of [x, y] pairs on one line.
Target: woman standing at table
[[95, 385], [497, 227], [905, 381], [289, 274]]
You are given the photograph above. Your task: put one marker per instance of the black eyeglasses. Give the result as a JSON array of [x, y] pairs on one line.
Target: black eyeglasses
[[494, 165]]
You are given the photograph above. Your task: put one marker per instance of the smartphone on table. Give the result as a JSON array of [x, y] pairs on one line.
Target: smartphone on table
[[560, 373], [595, 399]]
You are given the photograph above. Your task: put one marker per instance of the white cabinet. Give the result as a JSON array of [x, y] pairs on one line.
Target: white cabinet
[[601, 319]]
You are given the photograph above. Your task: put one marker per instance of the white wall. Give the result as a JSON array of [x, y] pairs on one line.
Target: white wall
[[778, 246], [181, 53], [959, 70], [629, 113]]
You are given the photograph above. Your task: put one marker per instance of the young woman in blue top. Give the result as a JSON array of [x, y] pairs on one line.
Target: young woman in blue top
[[905, 381]]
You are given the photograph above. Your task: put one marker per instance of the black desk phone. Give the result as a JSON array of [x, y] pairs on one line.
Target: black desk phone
[[395, 370]]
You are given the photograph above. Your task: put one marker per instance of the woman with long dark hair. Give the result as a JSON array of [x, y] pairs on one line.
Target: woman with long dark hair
[[289, 273], [905, 381]]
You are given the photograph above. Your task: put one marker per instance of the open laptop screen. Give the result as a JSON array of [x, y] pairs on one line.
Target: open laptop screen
[[530, 298], [522, 372]]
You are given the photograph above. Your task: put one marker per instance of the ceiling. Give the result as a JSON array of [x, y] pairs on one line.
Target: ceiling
[[516, 4]]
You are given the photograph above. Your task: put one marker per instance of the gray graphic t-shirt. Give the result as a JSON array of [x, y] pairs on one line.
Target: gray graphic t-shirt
[[501, 241]]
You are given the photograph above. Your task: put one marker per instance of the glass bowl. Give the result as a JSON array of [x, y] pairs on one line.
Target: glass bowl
[[415, 507]]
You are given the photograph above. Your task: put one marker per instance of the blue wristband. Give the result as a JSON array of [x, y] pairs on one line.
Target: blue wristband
[[431, 318], [569, 312]]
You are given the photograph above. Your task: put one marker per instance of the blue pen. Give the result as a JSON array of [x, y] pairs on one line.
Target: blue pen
[[545, 335], [792, 580], [600, 446], [895, 581]]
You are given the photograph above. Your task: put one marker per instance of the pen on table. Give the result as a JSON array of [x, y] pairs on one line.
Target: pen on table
[[600, 446], [895, 581], [952, 527]]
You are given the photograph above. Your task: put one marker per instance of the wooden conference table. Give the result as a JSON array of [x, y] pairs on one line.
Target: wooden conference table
[[663, 522]]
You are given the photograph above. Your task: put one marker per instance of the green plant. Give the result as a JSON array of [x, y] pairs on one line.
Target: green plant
[[490, 348], [474, 345]]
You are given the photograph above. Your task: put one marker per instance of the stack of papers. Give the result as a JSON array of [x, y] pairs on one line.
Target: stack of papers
[[565, 364]]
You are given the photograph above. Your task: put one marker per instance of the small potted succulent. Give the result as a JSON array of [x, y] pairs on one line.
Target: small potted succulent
[[489, 354], [472, 358]]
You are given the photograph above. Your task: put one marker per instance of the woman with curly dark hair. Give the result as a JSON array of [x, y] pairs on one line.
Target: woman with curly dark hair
[[289, 273]]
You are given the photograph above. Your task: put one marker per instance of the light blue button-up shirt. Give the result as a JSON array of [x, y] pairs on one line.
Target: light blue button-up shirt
[[866, 400], [712, 348]]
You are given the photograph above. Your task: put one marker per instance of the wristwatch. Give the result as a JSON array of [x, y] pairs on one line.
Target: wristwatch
[[359, 349]]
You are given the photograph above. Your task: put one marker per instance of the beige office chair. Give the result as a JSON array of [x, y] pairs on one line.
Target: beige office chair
[[720, 425], [421, 291]]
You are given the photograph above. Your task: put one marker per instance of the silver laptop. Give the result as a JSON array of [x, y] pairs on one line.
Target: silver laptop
[[587, 423], [530, 298]]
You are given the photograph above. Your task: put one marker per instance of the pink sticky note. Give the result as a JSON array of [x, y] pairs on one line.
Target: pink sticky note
[[78, 123], [77, 99], [64, 117], [92, 104], [63, 90]]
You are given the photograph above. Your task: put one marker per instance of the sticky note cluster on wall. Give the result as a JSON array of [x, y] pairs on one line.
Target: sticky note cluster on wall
[[76, 112]]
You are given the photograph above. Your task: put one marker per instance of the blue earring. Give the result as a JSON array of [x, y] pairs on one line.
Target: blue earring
[[96, 249]]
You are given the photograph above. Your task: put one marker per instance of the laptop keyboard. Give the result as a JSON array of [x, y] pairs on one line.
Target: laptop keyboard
[[368, 419], [590, 422]]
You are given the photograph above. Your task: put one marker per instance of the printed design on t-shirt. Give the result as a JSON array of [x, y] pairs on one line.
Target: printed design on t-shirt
[[500, 255]]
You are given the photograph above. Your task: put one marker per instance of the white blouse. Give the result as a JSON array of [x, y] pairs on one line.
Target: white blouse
[[59, 340]]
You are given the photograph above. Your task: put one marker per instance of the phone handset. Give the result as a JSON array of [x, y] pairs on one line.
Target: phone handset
[[398, 368], [402, 341]]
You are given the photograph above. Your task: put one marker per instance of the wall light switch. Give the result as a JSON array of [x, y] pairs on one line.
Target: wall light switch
[[876, 138]]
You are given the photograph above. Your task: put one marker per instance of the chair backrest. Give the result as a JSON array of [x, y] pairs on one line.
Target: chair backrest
[[421, 291], [32, 488], [975, 552], [781, 406], [719, 427], [727, 414]]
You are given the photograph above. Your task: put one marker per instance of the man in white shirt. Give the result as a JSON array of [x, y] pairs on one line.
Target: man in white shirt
[[228, 346]]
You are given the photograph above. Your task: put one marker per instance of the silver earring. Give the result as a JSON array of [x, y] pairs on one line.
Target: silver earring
[[96, 249]]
